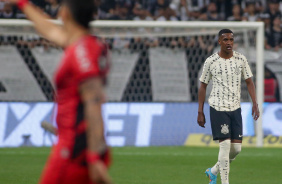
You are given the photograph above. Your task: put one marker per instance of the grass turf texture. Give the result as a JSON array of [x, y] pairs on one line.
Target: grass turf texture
[[154, 165]]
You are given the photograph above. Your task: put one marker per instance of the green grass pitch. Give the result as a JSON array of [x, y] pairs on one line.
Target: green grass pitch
[[154, 165]]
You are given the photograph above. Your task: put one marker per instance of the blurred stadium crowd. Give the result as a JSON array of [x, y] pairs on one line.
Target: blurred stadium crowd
[[269, 11], [197, 48]]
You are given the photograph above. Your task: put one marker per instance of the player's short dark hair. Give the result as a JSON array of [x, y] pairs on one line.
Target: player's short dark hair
[[223, 31], [81, 10]]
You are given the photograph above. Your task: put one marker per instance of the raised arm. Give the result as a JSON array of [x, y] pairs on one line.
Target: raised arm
[[92, 96], [252, 92], [46, 28], [201, 101]]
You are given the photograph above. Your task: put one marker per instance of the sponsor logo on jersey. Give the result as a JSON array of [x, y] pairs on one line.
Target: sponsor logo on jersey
[[84, 62]]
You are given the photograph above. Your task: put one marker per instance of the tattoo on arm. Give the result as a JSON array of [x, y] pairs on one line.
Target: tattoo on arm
[[91, 92]]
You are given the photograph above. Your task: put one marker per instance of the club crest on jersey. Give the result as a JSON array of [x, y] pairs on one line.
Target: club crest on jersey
[[224, 129], [237, 70]]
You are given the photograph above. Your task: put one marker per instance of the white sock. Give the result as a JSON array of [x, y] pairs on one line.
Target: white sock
[[215, 169], [235, 149], [223, 159]]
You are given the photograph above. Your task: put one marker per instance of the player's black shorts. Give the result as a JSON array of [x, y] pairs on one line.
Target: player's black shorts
[[226, 124]]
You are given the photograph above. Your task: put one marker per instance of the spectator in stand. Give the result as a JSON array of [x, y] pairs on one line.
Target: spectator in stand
[[129, 5], [259, 5], [250, 14], [271, 88], [121, 12], [195, 15], [181, 9], [127, 2], [96, 13], [52, 8], [273, 9], [106, 9], [2, 3], [236, 13], [280, 6], [149, 5], [197, 5], [211, 14], [188, 9], [19, 14], [274, 40], [146, 4], [138, 43], [159, 4], [140, 13], [265, 17], [166, 14], [224, 7], [8, 12]]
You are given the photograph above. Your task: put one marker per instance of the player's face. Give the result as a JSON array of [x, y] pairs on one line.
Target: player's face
[[226, 42]]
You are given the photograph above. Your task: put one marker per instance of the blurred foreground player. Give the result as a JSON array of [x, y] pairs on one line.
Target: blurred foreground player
[[81, 155], [225, 68]]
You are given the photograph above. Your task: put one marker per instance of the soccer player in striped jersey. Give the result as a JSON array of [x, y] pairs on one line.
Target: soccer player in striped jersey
[[225, 69], [81, 155]]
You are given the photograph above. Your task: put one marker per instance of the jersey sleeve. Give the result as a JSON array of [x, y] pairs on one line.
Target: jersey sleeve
[[246, 70], [86, 61], [206, 74]]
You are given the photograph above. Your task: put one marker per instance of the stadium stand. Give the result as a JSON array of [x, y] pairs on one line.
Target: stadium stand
[[142, 72]]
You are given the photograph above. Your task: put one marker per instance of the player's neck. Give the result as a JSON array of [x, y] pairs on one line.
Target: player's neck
[[75, 33], [225, 55]]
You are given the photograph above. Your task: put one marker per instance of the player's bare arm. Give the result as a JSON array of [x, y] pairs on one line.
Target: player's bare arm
[[92, 96], [47, 29], [201, 99], [252, 92]]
